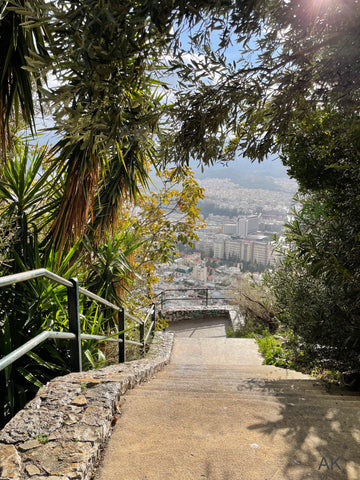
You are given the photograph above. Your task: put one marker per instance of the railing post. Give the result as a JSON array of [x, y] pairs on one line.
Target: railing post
[[74, 325], [153, 319], [142, 338], [162, 299], [207, 296], [121, 326]]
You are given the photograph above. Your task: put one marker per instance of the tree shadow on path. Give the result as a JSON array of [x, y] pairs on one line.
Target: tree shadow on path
[[320, 428]]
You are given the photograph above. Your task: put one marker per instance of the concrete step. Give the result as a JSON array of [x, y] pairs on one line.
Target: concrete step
[[282, 397], [217, 413]]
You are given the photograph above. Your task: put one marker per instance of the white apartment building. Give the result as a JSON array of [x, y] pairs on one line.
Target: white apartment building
[[199, 273], [233, 249], [230, 228], [219, 249], [261, 253], [244, 250], [242, 227], [253, 223], [247, 225]]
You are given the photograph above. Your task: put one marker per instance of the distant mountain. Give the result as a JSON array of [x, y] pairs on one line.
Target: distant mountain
[[242, 179], [267, 168], [246, 174]]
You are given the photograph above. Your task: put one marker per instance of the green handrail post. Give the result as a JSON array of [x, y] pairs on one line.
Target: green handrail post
[[121, 327], [74, 325], [207, 296]]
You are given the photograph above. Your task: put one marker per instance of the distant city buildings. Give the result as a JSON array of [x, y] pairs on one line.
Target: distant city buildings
[[240, 223], [200, 273], [240, 241]]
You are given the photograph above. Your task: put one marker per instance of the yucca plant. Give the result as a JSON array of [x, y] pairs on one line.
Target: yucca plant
[[19, 42], [27, 203], [28, 199], [27, 309], [110, 271]]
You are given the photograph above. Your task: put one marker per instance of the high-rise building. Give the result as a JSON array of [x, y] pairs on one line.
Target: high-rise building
[[229, 228], [252, 223], [246, 251], [261, 253], [247, 225], [219, 249], [242, 227], [233, 249]]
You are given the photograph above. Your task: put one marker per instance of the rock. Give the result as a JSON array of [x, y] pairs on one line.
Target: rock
[[10, 463], [63, 459], [80, 400], [29, 445], [51, 477], [32, 470]]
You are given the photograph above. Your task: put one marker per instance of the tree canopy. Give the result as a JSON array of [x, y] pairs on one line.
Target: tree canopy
[[99, 60], [292, 57]]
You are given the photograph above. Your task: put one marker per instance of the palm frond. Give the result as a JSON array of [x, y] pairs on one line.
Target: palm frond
[[20, 38]]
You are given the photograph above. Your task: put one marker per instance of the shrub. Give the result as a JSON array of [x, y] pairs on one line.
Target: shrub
[[273, 352]]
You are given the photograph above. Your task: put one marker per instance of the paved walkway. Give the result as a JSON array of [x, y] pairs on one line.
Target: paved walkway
[[216, 413]]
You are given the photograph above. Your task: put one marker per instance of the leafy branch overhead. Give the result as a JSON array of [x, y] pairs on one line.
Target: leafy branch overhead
[[101, 61], [166, 217], [292, 57]]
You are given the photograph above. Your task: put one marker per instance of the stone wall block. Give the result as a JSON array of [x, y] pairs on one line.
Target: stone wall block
[[61, 432], [10, 463]]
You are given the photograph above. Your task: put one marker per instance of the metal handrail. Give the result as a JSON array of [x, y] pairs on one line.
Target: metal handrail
[[31, 344], [150, 312], [191, 288], [128, 315], [162, 298], [149, 331], [30, 275], [42, 272], [99, 299], [74, 320]]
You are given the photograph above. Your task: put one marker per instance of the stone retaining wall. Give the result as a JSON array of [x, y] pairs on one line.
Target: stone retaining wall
[[172, 314], [60, 434]]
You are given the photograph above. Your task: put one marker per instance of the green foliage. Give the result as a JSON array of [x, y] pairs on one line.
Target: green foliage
[[20, 37], [251, 329], [254, 302], [28, 196], [107, 103], [316, 289], [43, 439], [163, 218], [301, 55], [272, 351], [109, 273]]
